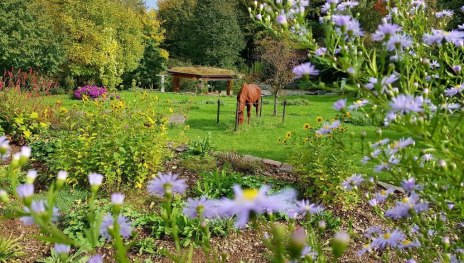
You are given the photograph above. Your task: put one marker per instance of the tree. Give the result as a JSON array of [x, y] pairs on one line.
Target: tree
[[176, 17], [154, 57], [28, 37], [215, 37], [280, 59]]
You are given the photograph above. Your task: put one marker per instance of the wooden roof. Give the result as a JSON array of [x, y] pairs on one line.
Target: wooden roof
[[203, 73]]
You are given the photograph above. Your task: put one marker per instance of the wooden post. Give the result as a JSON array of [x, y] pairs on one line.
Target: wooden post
[[162, 83], [218, 110], [230, 85], [236, 115], [261, 107], [176, 83], [283, 115]]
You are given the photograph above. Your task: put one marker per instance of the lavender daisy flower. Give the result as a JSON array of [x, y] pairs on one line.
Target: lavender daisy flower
[[306, 69], [117, 199], [392, 239], [62, 249], [39, 207], [406, 206], [347, 5], [256, 201], [427, 157], [358, 104], [409, 244], [398, 42], [410, 185], [308, 252], [342, 21], [201, 207], [339, 104], [444, 13], [385, 31], [96, 259], [381, 196], [352, 182], [373, 232], [108, 223], [25, 191], [405, 104], [440, 36], [304, 207], [4, 148], [320, 51], [450, 107], [367, 248], [451, 92], [166, 183], [95, 179], [281, 19], [434, 64]]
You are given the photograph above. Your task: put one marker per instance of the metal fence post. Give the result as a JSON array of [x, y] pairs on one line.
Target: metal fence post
[[236, 115], [283, 115], [218, 110]]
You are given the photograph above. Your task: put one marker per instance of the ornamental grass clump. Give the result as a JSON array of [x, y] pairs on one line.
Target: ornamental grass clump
[[88, 91]]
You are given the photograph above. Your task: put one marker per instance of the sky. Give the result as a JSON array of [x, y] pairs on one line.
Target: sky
[[151, 3]]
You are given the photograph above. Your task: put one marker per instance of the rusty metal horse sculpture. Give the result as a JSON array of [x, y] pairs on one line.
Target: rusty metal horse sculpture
[[249, 94]]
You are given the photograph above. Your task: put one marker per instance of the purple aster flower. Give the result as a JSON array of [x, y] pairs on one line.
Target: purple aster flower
[[325, 8], [406, 206], [320, 51], [347, 5], [373, 232], [96, 259], [434, 64], [392, 239], [305, 69], [4, 148], [38, 207], [398, 42], [339, 104], [62, 249], [444, 13], [108, 223], [405, 104], [367, 248], [385, 31], [411, 261], [281, 19], [352, 182], [440, 36], [457, 69], [410, 185], [342, 21], [201, 207], [256, 201], [95, 179], [451, 92], [381, 196], [461, 27], [450, 107], [166, 183], [304, 207], [308, 252], [358, 104], [427, 157], [401, 144], [117, 199], [25, 191]]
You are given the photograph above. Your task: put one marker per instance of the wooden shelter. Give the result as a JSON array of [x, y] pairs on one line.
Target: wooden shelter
[[203, 74]]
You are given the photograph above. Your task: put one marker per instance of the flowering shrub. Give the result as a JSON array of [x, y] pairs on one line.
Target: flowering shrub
[[121, 141], [88, 91], [412, 80]]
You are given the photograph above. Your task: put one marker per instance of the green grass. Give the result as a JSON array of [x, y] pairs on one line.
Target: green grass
[[259, 138]]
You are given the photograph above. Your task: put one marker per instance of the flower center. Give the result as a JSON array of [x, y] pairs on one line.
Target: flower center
[[386, 235], [406, 242], [250, 194]]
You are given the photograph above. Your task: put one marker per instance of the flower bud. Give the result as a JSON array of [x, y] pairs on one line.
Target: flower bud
[[95, 181], [321, 225], [4, 196], [30, 177], [340, 243]]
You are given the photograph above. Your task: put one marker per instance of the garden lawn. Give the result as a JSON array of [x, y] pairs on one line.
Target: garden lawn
[[263, 137]]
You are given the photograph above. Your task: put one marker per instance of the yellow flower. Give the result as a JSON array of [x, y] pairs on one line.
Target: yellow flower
[[319, 119], [171, 110], [307, 126], [34, 115], [63, 110], [27, 134], [348, 114], [186, 127], [288, 135]]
